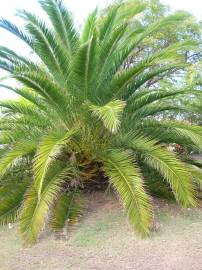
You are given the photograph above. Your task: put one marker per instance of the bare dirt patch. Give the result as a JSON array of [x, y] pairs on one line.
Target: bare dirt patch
[[104, 240]]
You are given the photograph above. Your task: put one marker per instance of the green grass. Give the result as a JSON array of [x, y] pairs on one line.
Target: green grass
[[94, 233], [163, 217]]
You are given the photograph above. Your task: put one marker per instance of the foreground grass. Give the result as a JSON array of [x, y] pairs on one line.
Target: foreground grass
[[104, 240]]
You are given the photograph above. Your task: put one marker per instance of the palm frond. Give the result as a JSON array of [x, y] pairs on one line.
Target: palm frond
[[67, 210], [62, 22], [126, 179], [148, 96], [172, 169], [19, 150], [48, 149], [110, 113], [107, 22], [83, 69], [46, 47], [35, 209], [12, 28], [11, 197], [28, 95], [173, 132], [89, 26]]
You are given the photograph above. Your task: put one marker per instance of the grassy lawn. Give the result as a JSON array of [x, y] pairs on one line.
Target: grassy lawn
[[104, 240]]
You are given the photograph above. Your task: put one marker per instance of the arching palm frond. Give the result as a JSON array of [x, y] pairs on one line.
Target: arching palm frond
[[35, 209], [48, 149], [66, 210], [62, 22], [18, 151], [11, 196], [172, 169], [126, 179]]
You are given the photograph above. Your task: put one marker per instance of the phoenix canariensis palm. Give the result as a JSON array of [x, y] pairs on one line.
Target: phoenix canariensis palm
[[81, 114]]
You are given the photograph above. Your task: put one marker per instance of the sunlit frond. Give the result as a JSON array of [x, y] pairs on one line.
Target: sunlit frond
[[110, 113], [35, 209], [126, 179], [16, 152], [48, 149], [172, 169]]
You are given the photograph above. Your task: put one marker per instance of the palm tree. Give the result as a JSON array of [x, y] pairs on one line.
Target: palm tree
[[81, 114]]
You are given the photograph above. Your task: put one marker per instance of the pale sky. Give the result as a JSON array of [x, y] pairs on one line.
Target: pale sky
[[80, 9]]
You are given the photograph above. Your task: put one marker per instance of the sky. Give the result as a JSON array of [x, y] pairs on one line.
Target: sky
[[80, 9]]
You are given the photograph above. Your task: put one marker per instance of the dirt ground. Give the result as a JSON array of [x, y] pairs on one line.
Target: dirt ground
[[104, 240]]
